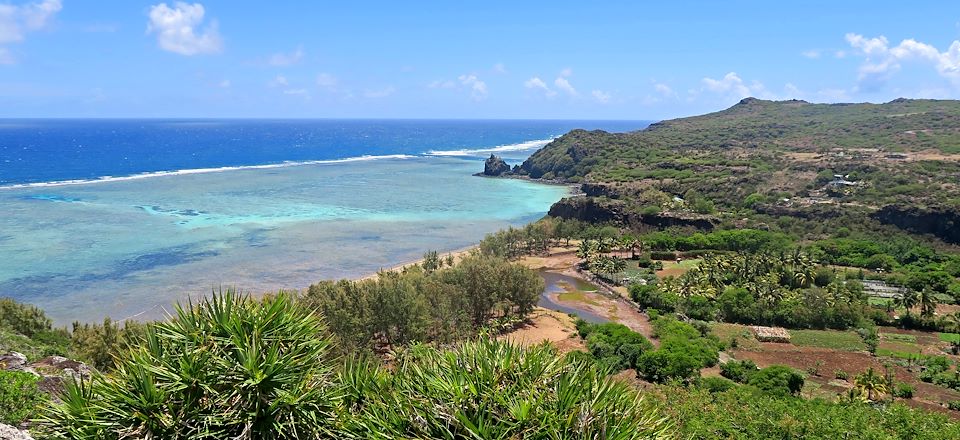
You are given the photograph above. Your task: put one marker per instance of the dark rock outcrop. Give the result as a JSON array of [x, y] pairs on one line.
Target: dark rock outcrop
[[942, 222], [589, 209], [495, 166], [53, 371]]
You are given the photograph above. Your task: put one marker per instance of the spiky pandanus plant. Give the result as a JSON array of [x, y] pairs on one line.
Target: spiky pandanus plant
[[229, 367], [491, 389]]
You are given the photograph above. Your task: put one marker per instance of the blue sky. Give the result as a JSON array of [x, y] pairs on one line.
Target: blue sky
[[557, 59]]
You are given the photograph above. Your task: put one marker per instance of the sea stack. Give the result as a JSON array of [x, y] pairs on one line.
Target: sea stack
[[495, 166]]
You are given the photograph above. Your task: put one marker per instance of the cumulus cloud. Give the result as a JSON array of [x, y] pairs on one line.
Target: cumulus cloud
[[812, 53], [664, 90], [563, 84], [881, 60], [601, 96], [566, 72], [177, 29], [731, 85], [286, 59], [536, 83], [16, 21], [478, 88], [327, 81], [499, 68], [379, 93]]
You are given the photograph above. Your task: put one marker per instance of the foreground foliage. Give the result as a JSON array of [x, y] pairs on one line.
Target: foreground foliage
[[228, 368], [494, 390], [232, 367], [19, 397]]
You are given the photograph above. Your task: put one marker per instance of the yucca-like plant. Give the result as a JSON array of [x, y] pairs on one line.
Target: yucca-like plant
[[228, 368], [491, 389]]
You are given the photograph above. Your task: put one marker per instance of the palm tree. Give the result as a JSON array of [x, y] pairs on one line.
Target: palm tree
[[908, 300], [871, 384], [928, 303]]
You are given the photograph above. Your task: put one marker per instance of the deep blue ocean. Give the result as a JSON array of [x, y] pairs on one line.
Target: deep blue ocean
[[34, 151], [123, 218]]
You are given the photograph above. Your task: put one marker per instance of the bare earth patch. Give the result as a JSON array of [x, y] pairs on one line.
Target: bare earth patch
[[547, 326]]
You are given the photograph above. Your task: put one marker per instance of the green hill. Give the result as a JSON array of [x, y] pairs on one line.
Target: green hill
[[896, 163]]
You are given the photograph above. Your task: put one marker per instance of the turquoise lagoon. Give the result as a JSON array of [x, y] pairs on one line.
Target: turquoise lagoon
[[130, 248]]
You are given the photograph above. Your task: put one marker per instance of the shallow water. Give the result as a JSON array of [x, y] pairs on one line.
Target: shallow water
[[131, 248], [555, 285]]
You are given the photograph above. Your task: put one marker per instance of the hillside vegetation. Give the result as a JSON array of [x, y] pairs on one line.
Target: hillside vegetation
[[758, 153]]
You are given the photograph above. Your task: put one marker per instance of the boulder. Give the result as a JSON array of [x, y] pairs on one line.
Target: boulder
[[495, 166], [8, 432], [13, 361]]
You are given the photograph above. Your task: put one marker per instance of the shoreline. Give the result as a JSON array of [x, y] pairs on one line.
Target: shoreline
[[458, 254]]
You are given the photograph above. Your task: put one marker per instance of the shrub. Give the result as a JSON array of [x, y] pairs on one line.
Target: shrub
[[738, 371], [903, 390], [229, 367], [614, 345], [19, 397], [842, 375], [662, 255], [778, 380], [715, 384], [492, 389]]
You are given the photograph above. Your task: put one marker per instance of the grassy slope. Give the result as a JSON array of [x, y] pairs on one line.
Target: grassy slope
[[773, 148]]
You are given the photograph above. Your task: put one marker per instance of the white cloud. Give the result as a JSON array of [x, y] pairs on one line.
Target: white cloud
[[379, 93], [442, 84], [563, 84], [225, 84], [499, 68], [295, 92], [286, 59], [17, 21], [176, 29], [812, 53], [881, 60], [536, 83], [730, 83], [326, 80], [732, 86], [664, 90], [278, 81], [478, 88], [566, 72], [601, 96]]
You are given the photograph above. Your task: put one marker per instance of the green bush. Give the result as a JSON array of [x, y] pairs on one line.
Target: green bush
[[778, 380], [902, 390], [229, 367], [715, 384], [738, 371], [20, 399], [492, 390], [613, 345]]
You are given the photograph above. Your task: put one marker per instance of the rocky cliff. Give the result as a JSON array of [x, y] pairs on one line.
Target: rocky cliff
[[942, 222], [595, 210]]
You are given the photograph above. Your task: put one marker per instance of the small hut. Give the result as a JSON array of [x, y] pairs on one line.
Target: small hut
[[771, 334]]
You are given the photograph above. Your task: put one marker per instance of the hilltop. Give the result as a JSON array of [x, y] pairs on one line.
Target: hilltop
[[896, 162]]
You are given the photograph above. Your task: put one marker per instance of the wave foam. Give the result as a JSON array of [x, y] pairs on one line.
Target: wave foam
[[104, 179], [522, 146]]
